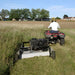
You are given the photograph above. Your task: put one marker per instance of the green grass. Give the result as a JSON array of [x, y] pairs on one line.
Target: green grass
[[64, 64], [10, 40]]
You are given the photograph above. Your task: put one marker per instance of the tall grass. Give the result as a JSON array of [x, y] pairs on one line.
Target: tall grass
[[64, 64], [11, 36], [10, 39]]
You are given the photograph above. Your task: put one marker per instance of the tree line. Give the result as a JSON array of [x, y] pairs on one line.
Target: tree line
[[27, 14]]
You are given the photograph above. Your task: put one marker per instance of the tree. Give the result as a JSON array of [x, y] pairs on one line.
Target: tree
[[44, 13], [15, 13], [38, 13], [25, 13], [19, 14], [33, 14], [4, 13], [65, 16], [57, 18]]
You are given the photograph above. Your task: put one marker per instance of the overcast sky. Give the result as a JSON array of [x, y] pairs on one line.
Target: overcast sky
[[56, 7]]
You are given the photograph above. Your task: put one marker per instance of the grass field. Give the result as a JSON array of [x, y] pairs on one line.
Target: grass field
[[13, 33]]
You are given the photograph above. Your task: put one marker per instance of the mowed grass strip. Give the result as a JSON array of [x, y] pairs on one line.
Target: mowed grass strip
[[64, 64]]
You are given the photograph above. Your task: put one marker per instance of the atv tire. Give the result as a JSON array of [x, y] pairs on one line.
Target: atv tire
[[62, 41]]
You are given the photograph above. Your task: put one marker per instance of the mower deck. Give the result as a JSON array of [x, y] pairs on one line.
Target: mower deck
[[35, 49], [30, 54]]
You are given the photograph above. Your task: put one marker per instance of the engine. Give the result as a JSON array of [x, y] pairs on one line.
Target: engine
[[39, 44]]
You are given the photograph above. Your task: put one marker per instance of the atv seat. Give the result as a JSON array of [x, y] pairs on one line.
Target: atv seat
[[52, 31]]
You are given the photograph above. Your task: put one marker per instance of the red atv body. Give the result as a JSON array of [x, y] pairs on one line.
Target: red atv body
[[55, 37]]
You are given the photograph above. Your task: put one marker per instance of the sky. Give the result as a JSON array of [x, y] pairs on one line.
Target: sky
[[57, 8]]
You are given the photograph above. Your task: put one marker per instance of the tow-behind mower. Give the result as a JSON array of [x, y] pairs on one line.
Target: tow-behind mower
[[36, 45]]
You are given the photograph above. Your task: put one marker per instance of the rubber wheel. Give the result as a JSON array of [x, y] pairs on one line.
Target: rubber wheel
[[20, 53], [53, 55], [54, 41], [62, 41]]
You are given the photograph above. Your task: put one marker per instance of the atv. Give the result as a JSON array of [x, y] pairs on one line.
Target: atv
[[55, 37]]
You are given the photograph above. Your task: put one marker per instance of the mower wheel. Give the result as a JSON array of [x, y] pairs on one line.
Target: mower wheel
[[49, 51], [53, 55]]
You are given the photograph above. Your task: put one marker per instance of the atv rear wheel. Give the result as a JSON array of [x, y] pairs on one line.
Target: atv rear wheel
[[62, 41]]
